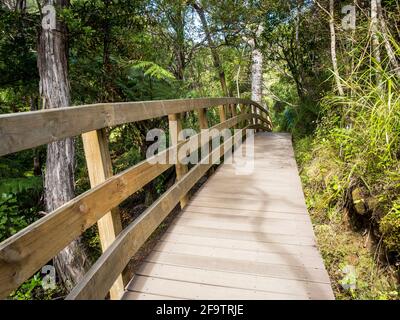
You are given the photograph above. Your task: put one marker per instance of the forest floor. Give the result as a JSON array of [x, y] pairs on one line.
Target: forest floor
[[355, 260]]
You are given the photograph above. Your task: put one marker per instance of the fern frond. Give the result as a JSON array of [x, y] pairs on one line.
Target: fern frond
[[153, 70]]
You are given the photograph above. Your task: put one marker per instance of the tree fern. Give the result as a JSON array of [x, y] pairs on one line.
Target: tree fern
[[153, 70]]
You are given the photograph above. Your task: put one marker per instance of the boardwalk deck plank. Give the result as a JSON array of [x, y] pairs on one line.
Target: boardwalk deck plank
[[295, 288], [240, 237]]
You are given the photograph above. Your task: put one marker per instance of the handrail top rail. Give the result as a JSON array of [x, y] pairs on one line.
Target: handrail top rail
[[53, 124], [211, 100]]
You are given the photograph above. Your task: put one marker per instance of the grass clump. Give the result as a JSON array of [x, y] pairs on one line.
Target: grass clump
[[350, 168]]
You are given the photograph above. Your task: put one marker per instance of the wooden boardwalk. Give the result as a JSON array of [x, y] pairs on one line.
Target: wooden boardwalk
[[240, 237]]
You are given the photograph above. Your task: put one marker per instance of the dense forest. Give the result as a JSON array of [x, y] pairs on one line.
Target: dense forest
[[328, 71]]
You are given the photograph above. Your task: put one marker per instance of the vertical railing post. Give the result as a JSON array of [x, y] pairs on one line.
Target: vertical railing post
[[243, 111], [250, 111], [255, 120], [234, 111], [222, 114], [203, 124], [269, 120], [175, 126], [229, 111], [97, 154]]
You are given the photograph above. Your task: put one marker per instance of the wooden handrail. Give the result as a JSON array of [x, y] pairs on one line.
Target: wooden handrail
[[103, 273], [49, 125], [25, 252]]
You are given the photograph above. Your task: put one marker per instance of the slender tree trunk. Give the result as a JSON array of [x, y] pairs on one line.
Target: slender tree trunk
[[374, 31], [256, 69], [256, 78], [213, 48], [256, 75], [20, 5], [297, 24], [376, 52], [385, 35], [333, 47], [71, 263]]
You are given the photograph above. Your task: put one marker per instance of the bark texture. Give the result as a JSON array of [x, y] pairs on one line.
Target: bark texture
[[375, 30], [386, 40], [333, 47], [256, 70], [71, 263], [256, 75]]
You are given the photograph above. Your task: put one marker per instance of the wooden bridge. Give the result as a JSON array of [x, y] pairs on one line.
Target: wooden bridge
[[241, 236]]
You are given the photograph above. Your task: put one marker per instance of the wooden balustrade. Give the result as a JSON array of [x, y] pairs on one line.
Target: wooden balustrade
[[28, 250]]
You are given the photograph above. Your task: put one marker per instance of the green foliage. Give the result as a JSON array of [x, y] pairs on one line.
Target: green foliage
[[20, 192], [32, 289], [17, 208], [17, 61], [342, 249], [127, 159], [18, 185], [27, 289], [351, 161], [390, 228], [153, 70], [10, 219], [92, 241]]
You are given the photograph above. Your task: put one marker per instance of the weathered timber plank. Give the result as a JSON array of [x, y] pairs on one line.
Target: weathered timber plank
[[249, 220], [279, 205], [131, 295], [99, 165], [293, 258], [243, 235], [193, 208], [175, 127], [190, 290], [301, 289], [270, 228], [250, 245], [240, 266]]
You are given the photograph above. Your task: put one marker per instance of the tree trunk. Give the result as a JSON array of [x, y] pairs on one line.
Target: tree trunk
[[374, 31], [385, 35], [256, 70], [297, 22], [333, 47], [256, 75], [213, 48], [72, 262]]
